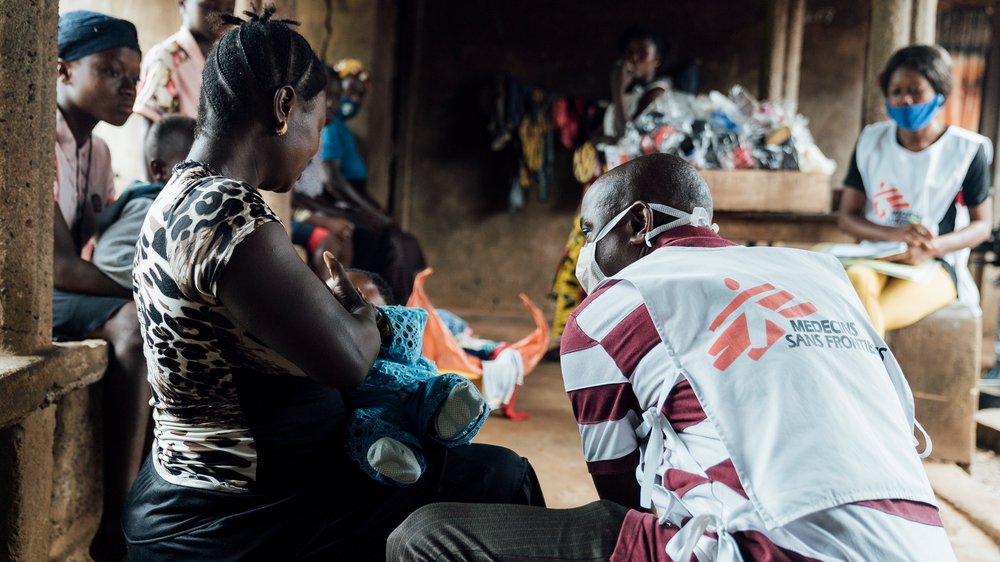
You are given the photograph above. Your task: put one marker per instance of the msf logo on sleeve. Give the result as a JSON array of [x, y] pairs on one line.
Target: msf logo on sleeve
[[754, 304]]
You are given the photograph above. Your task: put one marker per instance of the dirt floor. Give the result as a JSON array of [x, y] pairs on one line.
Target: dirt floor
[[986, 469], [551, 441]]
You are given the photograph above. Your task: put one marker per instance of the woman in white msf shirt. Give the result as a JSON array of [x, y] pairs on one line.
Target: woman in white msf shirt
[[914, 179]]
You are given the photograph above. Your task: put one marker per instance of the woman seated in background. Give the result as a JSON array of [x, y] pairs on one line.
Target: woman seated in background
[[247, 348], [338, 200], [635, 81], [914, 179]]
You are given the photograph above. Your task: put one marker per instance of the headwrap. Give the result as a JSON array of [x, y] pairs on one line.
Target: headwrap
[[83, 33], [351, 67]]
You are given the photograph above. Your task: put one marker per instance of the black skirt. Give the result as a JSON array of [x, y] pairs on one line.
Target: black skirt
[[345, 516]]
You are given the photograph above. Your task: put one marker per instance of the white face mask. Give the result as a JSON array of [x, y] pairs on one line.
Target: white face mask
[[589, 273]]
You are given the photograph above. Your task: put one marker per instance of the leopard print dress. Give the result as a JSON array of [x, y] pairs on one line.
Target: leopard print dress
[[195, 350]]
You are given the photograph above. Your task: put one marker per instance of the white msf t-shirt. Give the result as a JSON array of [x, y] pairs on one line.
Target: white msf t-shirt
[[934, 187]]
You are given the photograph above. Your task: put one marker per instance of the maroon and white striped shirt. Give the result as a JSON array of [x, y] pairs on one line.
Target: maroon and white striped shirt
[[614, 366]]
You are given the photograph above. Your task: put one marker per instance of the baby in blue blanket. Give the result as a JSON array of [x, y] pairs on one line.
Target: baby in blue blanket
[[404, 402]]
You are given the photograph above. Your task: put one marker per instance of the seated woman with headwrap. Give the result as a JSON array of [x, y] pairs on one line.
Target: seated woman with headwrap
[[97, 68]]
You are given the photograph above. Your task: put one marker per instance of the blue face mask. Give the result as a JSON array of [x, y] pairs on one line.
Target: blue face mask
[[915, 117], [348, 107]]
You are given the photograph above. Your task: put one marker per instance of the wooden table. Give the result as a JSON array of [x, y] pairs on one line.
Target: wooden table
[[796, 229]]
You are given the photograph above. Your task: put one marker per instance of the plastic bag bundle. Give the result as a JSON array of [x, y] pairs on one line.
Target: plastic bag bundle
[[718, 131]]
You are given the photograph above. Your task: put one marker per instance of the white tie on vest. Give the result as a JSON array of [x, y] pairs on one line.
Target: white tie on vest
[[808, 402], [904, 187]]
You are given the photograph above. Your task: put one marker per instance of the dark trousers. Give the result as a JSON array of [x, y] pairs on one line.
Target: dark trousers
[[346, 517], [507, 533]]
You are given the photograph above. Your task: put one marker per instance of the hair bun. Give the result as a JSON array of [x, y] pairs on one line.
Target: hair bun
[[264, 16]]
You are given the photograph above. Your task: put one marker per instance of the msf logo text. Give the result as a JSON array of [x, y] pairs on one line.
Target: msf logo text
[[733, 324]]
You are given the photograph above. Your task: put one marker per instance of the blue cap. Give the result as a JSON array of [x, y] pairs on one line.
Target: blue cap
[[83, 33]]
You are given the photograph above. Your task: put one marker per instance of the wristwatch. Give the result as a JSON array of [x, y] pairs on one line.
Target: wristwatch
[[384, 326]]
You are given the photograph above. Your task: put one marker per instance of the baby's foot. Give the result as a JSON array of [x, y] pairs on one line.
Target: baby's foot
[[461, 409], [394, 460]]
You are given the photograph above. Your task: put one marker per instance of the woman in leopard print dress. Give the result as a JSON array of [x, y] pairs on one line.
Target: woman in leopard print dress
[[247, 348]]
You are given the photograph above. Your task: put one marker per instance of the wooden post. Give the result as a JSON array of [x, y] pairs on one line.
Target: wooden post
[[793, 59], [775, 50], [889, 31], [27, 170], [409, 112], [381, 104], [924, 22], [990, 118]]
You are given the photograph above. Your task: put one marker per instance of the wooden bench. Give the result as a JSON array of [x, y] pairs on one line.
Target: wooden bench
[[940, 356]]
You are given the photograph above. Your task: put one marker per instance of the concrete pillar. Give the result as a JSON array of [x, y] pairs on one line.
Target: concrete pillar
[[890, 27], [775, 50], [26, 487], [27, 145], [76, 494], [793, 57], [924, 22]]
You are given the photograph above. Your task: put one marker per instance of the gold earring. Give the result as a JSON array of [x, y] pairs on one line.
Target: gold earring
[[282, 129]]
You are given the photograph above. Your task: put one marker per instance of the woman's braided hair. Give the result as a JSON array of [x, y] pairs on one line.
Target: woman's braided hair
[[250, 63]]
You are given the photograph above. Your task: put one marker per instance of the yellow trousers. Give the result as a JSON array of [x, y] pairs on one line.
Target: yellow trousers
[[894, 303]]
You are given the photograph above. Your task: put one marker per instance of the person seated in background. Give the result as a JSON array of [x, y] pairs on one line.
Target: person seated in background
[[634, 80], [171, 84], [734, 403], [914, 179], [341, 203], [635, 85], [98, 65], [167, 144], [170, 81], [346, 173]]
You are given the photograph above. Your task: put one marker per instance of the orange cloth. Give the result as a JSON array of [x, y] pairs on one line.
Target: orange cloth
[[441, 347]]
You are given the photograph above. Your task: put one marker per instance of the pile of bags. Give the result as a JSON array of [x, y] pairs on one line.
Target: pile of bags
[[716, 131]]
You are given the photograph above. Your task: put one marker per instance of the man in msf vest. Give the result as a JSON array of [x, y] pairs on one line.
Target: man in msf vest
[[734, 403]]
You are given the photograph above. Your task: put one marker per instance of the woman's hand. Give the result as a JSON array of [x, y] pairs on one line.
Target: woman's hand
[[341, 287], [919, 253], [914, 234], [621, 75], [271, 292]]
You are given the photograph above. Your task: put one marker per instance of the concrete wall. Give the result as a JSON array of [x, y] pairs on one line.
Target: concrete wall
[[365, 30], [457, 188]]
